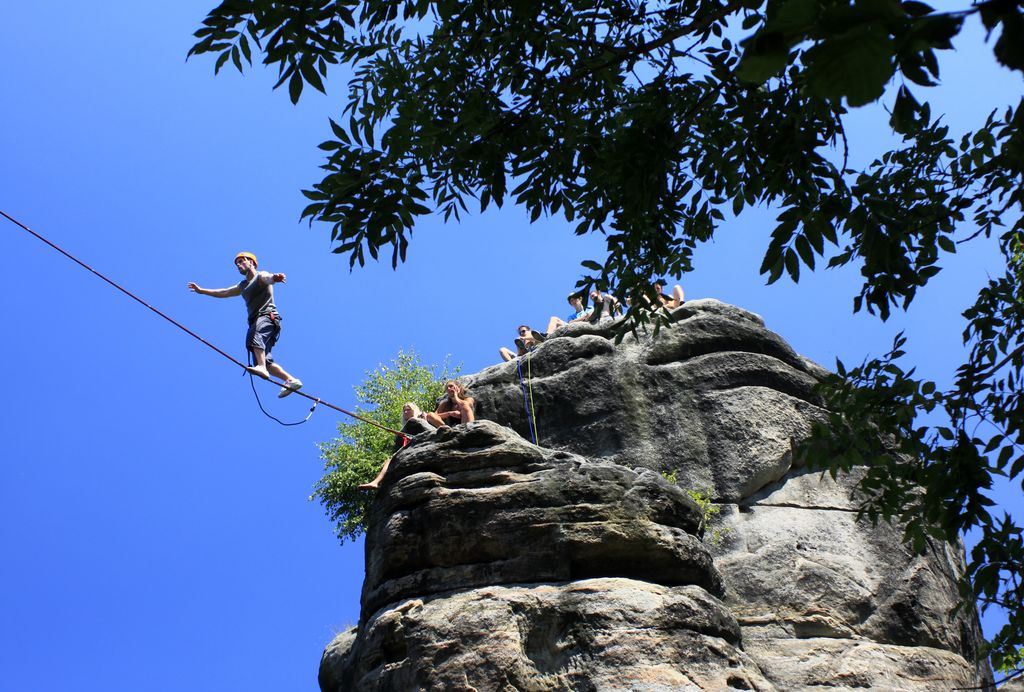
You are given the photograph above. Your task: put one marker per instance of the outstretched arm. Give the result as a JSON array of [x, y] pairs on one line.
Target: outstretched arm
[[215, 292]]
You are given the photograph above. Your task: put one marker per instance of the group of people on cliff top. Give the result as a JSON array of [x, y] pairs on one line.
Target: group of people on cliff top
[[603, 306], [456, 406]]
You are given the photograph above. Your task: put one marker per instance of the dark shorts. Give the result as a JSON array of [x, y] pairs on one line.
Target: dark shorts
[[263, 334]]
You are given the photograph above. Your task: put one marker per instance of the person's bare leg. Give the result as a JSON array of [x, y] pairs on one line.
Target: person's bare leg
[[375, 483], [506, 355], [677, 295], [435, 420], [291, 384], [259, 364], [277, 371], [554, 323]]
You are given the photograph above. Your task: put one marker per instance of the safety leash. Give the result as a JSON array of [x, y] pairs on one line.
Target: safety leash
[[275, 418], [260, 403]]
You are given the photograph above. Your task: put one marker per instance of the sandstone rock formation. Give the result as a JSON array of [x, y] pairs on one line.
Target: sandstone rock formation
[[496, 564]]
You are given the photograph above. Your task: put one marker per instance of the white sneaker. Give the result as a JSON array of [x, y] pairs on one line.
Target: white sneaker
[[289, 387]]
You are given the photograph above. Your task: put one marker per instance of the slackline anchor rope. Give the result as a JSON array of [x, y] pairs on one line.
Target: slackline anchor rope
[[191, 333]]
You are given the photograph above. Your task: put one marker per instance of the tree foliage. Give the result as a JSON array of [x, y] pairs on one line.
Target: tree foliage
[[648, 122], [356, 455]]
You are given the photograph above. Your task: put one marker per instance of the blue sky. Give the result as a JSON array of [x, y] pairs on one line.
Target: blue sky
[[155, 527]]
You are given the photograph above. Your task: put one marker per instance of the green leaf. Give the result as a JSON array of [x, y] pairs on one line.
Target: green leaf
[[311, 76], [905, 112], [792, 265], [243, 42], [295, 87], [771, 257], [1005, 454], [775, 272], [794, 17], [806, 253], [1018, 467], [339, 132], [750, 21], [765, 56], [353, 128], [917, 9], [221, 60], [856, 65], [914, 71], [1009, 49]]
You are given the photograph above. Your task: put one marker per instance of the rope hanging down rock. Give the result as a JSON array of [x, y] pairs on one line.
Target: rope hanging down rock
[[531, 414]]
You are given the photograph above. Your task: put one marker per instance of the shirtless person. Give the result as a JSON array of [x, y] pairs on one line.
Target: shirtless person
[[257, 289], [456, 407]]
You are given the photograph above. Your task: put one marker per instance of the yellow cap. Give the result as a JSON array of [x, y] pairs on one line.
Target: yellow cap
[[249, 255]]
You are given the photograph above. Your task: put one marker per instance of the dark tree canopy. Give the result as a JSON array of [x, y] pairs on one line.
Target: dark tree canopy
[[648, 122]]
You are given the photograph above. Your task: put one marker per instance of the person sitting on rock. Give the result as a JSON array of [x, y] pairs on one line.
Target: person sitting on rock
[[413, 423], [455, 407], [524, 342], [606, 306], [668, 301], [581, 313]]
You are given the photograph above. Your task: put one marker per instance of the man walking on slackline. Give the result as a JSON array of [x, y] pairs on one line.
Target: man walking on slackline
[[257, 288]]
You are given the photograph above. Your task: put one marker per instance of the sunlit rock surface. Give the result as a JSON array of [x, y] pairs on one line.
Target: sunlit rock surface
[[493, 563]]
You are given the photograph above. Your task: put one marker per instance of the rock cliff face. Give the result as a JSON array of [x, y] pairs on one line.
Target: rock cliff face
[[496, 564]]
